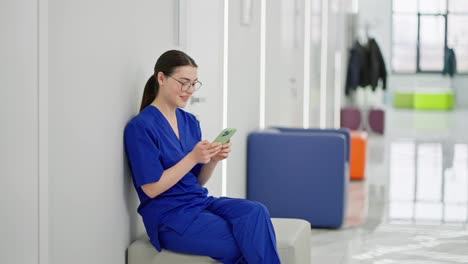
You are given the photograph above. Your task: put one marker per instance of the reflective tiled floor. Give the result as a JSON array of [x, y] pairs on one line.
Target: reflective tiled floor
[[413, 206]]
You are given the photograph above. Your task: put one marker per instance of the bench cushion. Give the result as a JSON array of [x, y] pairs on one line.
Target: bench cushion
[[292, 236]]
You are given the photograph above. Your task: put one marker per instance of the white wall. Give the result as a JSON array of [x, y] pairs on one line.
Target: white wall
[[203, 41], [100, 56], [284, 63], [337, 57], [244, 90], [19, 133], [315, 62]]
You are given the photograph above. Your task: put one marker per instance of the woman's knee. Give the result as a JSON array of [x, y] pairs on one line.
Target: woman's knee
[[256, 209], [261, 208]]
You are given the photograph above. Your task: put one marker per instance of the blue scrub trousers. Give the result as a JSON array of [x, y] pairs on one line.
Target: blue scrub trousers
[[232, 231]]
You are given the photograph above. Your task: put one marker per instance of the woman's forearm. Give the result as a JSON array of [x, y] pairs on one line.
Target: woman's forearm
[[206, 172], [170, 177]]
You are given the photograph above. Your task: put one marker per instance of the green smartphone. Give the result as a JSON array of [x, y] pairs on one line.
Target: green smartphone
[[225, 135]]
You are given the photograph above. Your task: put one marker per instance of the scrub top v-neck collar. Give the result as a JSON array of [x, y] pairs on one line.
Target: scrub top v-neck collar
[[161, 116]]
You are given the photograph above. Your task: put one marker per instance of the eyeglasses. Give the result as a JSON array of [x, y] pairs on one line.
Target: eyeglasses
[[185, 86]]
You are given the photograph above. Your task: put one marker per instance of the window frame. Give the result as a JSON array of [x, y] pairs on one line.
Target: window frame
[[418, 41]]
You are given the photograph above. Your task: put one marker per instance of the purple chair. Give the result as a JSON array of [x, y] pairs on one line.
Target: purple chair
[[350, 118], [376, 120]]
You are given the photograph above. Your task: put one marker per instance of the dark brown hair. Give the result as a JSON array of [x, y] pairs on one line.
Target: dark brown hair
[[166, 64]]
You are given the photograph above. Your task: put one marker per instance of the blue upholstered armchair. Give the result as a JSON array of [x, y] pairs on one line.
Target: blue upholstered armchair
[[300, 173]]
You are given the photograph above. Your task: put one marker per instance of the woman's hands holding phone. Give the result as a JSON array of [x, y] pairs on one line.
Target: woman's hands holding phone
[[204, 151], [223, 153]]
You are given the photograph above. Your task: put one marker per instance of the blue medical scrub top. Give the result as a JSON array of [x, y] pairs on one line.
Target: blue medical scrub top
[[152, 147]]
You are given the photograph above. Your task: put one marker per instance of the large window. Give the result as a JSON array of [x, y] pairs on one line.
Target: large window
[[423, 29]]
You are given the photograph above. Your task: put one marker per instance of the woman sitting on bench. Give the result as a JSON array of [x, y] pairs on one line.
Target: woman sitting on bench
[[170, 164]]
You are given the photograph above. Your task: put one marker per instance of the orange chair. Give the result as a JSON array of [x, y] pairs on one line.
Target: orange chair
[[358, 155]]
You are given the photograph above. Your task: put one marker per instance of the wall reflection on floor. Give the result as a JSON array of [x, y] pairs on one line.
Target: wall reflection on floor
[[413, 205], [428, 181]]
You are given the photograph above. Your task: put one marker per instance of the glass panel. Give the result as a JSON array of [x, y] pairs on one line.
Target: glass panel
[[432, 30], [432, 58], [458, 39], [405, 37], [404, 58], [457, 30], [405, 6], [432, 36], [461, 54], [432, 6], [458, 6], [405, 29]]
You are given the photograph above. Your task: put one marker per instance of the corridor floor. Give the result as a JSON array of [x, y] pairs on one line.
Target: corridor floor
[[412, 207]]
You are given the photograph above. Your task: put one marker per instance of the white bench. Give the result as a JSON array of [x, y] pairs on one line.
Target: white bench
[[292, 237]]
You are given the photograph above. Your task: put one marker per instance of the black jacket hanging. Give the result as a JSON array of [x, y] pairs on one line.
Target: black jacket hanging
[[450, 62], [353, 74], [365, 67], [376, 68]]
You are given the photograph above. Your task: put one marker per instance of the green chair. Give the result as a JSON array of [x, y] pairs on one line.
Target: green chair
[[434, 101], [424, 100], [403, 100]]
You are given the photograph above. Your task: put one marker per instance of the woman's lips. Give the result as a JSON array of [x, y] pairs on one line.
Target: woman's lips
[[185, 98]]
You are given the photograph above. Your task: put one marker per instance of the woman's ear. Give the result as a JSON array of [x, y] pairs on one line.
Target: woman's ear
[[161, 78]]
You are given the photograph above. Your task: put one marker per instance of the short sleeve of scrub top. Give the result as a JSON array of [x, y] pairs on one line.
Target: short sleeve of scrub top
[[144, 155]]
